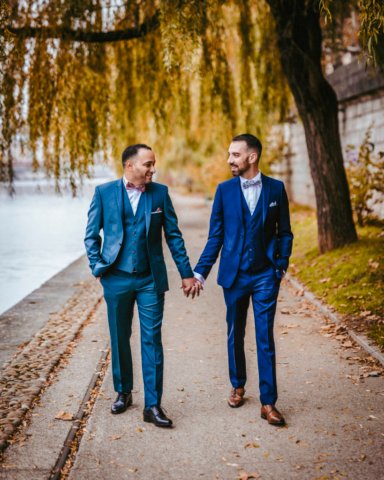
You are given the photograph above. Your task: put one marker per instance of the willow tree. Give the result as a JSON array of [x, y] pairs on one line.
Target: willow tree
[[84, 78]]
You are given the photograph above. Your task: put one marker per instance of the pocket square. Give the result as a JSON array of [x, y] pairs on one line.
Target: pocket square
[[159, 210], [273, 204]]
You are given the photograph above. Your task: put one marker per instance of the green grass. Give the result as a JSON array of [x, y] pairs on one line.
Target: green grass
[[350, 278]]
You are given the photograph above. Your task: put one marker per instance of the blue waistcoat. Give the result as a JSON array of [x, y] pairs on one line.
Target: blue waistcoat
[[133, 256], [253, 256]]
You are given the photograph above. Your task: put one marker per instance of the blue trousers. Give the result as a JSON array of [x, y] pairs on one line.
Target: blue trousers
[[263, 288], [121, 291]]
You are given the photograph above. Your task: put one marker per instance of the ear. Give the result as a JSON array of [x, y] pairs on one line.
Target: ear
[[254, 158]]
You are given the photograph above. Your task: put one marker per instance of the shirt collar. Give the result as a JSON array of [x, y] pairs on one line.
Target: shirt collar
[[258, 177]]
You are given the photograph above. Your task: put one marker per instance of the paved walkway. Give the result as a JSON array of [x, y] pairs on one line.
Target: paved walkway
[[332, 404]]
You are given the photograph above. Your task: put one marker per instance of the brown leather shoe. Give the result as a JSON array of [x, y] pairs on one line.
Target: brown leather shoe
[[236, 399], [272, 415]]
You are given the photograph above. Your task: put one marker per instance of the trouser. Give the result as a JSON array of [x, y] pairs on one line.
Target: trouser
[[263, 288], [121, 291]]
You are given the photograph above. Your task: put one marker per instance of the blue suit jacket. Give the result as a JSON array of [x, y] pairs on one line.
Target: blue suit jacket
[[227, 229], [106, 213]]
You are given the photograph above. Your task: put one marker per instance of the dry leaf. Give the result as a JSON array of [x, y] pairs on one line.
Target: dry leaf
[[251, 445], [62, 415], [115, 437], [247, 476]]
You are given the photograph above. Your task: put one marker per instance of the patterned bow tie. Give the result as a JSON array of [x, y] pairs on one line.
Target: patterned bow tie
[[131, 186], [251, 183]]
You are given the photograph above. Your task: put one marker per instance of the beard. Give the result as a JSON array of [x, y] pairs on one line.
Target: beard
[[238, 171]]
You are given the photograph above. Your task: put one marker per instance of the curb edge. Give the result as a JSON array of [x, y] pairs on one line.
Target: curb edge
[[362, 340]]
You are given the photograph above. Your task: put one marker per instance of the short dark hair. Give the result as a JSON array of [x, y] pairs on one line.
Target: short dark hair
[[132, 151], [251, 141]]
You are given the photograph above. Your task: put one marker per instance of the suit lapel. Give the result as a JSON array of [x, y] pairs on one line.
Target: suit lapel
[[119, 198], [236, 197], [148, 207], [265, 195]]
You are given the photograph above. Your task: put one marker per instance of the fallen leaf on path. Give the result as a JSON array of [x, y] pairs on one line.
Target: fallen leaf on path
[[247, 476], [347, 344], [115, 437], [62, 415], [327, 327], [251, 445]]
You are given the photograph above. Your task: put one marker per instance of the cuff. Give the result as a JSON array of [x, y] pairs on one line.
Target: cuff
[[199, 277]]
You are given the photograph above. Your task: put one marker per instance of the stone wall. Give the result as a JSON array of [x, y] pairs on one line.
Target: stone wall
[[357, 113]]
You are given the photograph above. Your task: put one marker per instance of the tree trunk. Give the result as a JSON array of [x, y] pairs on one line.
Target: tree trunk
[[299, 42]]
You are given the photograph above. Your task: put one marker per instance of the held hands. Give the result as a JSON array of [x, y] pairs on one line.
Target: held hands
[[191, 286]]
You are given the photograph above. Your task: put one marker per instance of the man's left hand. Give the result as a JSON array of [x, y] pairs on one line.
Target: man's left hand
[[191, 286]]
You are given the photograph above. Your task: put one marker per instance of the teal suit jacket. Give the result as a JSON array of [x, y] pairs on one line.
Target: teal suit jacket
[[106, 213]]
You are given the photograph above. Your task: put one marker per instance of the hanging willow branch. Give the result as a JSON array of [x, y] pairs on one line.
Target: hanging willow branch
[[68, 34], [80, 81]]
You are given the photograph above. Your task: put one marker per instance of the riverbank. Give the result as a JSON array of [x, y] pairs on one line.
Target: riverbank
[[43, 233]]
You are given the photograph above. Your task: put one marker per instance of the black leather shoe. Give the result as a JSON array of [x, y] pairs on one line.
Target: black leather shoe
[[122, 402], [157, 416]]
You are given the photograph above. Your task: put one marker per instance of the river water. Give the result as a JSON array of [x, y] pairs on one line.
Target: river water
[[41, 233]]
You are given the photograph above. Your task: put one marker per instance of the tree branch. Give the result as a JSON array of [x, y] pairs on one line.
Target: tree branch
[[85, 36]]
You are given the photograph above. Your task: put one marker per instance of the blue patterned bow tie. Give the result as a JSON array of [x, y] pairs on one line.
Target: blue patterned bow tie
[[251, 183]]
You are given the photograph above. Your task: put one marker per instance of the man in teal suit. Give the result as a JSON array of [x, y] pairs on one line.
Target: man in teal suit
[[133, 212]]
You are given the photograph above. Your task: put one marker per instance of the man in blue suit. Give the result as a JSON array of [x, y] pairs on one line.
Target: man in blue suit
[[250, 225], [133, 212]]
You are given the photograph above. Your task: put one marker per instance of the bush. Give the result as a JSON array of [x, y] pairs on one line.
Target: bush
[[365, 174]]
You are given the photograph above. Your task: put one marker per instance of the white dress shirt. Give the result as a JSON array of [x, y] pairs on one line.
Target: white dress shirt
[[133, 195], [251, 194]]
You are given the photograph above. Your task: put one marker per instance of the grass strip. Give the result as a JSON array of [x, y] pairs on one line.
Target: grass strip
[[350, 279]]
